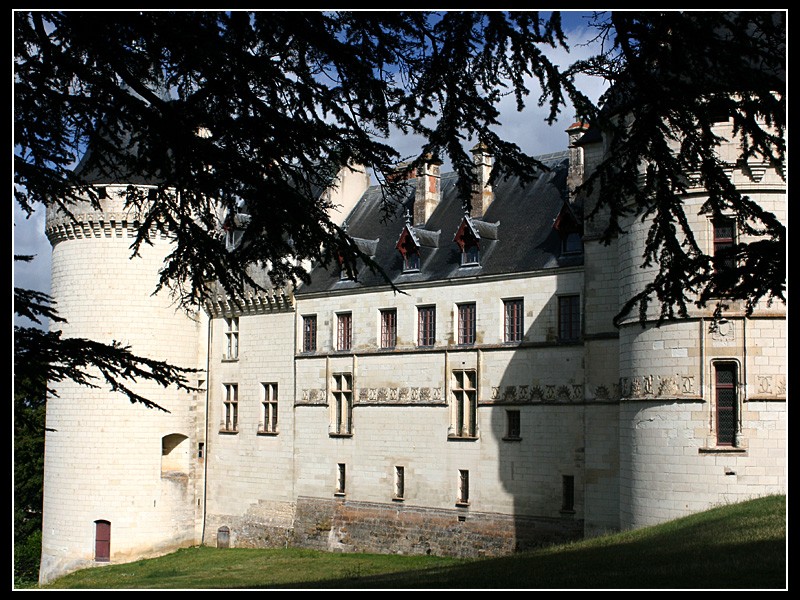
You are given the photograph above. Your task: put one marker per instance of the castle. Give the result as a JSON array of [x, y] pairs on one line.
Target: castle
[[488, 407]]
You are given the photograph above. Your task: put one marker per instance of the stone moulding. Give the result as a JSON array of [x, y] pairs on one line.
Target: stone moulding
[[536, 394]]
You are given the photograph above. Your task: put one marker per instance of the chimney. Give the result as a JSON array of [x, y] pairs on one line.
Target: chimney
[[346, 190], [400, 172], [575, 172], [482, 193], [429, 190]]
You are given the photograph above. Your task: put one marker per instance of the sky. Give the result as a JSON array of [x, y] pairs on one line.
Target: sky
[[527, 129]]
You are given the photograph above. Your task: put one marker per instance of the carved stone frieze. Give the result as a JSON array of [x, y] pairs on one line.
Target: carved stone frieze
[[400, 395], [657, 386], [533, 394], [312, 397], [765, 384], [379, 395]]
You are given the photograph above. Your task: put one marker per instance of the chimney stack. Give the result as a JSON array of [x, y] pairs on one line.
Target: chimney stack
[[482, 192], [575, 171], [429, 190]]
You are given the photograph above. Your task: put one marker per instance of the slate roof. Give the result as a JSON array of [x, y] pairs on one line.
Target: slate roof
[[516, 233]]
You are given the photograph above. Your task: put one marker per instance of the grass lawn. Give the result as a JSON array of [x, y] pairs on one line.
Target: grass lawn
[[738, 546]]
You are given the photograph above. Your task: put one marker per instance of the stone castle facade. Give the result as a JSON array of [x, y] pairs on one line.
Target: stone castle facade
[[490, 407]]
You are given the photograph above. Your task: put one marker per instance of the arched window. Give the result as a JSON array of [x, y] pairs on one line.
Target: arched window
[[174, 453]]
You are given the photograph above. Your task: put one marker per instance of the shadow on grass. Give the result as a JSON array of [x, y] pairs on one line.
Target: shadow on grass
[[708, 553], [632, 566]]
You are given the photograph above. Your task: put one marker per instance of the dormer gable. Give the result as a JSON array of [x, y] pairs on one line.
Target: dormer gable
[[408, 245], [468, 240], [569, 230], [348, 270]]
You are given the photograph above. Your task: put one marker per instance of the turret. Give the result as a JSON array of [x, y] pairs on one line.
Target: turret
[[121, 481]]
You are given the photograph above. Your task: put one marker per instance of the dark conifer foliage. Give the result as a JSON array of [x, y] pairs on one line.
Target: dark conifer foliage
[[284, 99], [674, 75]]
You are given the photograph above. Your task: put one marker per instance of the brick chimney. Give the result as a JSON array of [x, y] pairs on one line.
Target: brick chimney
[[482, 192], [429, 190]]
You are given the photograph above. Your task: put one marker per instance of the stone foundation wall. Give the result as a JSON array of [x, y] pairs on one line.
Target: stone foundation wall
[[341, 525]]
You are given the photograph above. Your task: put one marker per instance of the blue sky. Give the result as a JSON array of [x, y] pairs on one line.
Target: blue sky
[[527, 129]]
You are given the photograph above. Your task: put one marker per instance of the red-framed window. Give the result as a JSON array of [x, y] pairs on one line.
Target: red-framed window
[[513, 310], [466, 323], [310, 333], [344, 331], [388, 328], [426, 325]]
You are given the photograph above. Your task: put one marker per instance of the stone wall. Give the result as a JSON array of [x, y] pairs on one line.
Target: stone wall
[[351, 526]]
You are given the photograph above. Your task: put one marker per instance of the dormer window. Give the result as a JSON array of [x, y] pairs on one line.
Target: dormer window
[[411, 262], [346, 270], [469, 241], [408, 246], [471, 255], [571, 243], [233, 227], [569, 230]]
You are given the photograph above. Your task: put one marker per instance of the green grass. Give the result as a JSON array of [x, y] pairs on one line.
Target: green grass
[[734, 546]]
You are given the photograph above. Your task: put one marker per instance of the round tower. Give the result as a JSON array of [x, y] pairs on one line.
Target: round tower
[[121, 481], [702, 416]]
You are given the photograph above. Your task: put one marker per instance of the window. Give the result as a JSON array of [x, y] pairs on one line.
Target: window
[[513, 320], [340, 478], [512, 425], [468, 240], [347, 269], [471, 255], [342, 417], [231, 422], [466, 324], [175, 454], [399, 482], [411, 262], [464, 410], [102, 541], [569, 318], [572, 243], [723, 244], [310, 333], [269, 401], [567, 493], [727, 403], [232, 338], [408, 247], [426, 325], [344, 331], [463, 487], [388, 328]]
